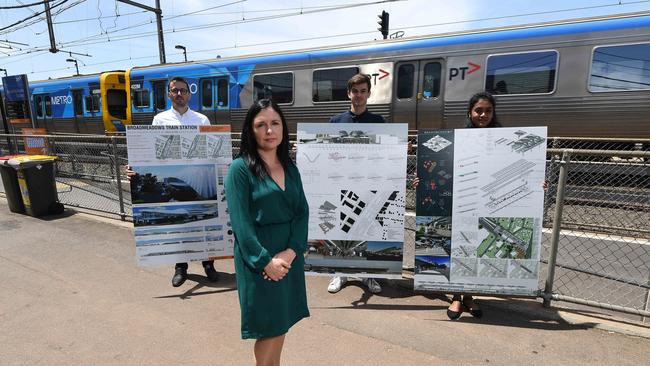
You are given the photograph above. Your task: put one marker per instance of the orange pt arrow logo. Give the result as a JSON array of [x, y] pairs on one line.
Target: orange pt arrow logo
[[474, 66], [461, 72], [382, 72]]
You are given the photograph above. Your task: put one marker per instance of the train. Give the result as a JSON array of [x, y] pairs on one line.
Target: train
[[587, 77]]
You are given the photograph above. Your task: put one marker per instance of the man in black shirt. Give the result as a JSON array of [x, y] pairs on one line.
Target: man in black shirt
[[358, 92]]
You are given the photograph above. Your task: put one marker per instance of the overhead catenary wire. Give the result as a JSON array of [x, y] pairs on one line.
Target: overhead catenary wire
[[22, 5], [22, 24], [138, 35], [86, 41], [36, 14]]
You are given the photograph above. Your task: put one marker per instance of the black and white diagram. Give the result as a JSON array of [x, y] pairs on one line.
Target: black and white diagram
[[168, 147], [194, 147], [354, 177], [377, 215]]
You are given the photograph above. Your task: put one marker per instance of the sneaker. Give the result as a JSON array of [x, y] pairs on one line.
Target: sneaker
[[372, 285], [335, 284], [213, 276], [179, 277]]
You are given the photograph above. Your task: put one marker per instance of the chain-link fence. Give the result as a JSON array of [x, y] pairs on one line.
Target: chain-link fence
[[89, 170], [596, 218], [598, 207]]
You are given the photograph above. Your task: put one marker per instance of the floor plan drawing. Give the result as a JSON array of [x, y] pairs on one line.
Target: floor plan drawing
[[194, 147], [168, 147]]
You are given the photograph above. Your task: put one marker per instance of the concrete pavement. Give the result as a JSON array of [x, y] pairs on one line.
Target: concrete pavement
[[71, 294]]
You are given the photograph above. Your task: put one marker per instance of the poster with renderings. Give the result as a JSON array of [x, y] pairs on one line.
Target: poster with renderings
[[354, 177], [179, 208], [479, 210]]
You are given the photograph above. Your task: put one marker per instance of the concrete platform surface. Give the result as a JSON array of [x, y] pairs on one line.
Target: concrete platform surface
[[71, 294]]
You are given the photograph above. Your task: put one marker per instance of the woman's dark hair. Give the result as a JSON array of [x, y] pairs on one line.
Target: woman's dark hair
[[248, 147], [487, 96]]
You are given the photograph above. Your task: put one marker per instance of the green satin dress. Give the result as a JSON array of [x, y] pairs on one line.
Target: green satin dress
[[267, 220]]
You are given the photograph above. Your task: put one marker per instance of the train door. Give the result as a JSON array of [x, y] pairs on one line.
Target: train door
[[418, 93], [78, 106], [42, 110], [214, 99], [159, 95]]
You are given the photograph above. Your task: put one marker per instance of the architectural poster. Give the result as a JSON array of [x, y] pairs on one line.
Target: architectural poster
[[479, 210], [354, 176], [179, 205]]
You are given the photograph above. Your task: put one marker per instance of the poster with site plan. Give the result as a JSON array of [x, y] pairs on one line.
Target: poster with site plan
[[179, 205], [479, 210], [354, 177]]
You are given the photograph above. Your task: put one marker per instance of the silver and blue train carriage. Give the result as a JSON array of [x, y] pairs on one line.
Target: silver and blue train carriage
[[215, 89], [585, 77], [87, 104]]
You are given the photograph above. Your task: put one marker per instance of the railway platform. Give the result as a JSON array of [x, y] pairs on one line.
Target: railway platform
[[73, 295]]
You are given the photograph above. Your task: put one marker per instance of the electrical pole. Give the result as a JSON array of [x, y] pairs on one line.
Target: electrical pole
[[161, 40], [50, 28]]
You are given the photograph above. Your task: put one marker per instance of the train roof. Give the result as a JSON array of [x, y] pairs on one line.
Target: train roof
[[526, 31]]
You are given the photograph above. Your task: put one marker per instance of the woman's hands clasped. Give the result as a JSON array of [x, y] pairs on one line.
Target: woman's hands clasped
[[279, 265]]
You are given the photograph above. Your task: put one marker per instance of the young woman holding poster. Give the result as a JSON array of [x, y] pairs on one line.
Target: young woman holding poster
[[481, 113], [269, 216]]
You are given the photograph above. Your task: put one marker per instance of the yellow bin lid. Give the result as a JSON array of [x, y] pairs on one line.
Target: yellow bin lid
[[26, 158]]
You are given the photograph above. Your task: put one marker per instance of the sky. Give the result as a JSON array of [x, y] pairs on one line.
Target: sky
[[108, 35]]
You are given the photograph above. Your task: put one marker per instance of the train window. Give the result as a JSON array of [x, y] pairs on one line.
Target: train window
[[431, 80], [160, 95], [206, 93], [278, 87], [405, 79], [141, 98], [77, 100], [222, 92], [48, 105], [521, 73], [39, 105], [620, 68], [332, 84], [92, 103], [116, 101]]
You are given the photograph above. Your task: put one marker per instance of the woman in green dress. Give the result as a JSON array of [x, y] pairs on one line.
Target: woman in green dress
[[269, 215]]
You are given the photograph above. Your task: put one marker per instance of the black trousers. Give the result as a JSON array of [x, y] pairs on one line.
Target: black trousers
[[184, 265]]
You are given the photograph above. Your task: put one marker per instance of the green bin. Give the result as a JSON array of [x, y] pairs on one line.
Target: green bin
[[10, 183], [35, 174]]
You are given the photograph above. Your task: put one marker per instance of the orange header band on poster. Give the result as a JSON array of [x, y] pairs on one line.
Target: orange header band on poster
[[215, 128], [17, 121]]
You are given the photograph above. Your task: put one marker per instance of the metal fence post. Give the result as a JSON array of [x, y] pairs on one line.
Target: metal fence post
[[118, 177], [646, 306], [557, 225]]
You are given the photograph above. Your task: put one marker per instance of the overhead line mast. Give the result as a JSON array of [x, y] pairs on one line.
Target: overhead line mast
[[161, 40]]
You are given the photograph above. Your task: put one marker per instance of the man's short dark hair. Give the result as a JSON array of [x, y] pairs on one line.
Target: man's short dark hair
[[359, 79], [176, 79]]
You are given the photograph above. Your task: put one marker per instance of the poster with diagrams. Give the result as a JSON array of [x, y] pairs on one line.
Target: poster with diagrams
[[179, 205], [354, 177], [479, 210]]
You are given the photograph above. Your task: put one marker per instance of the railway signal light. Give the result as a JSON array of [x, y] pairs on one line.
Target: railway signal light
[[383, 24]]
